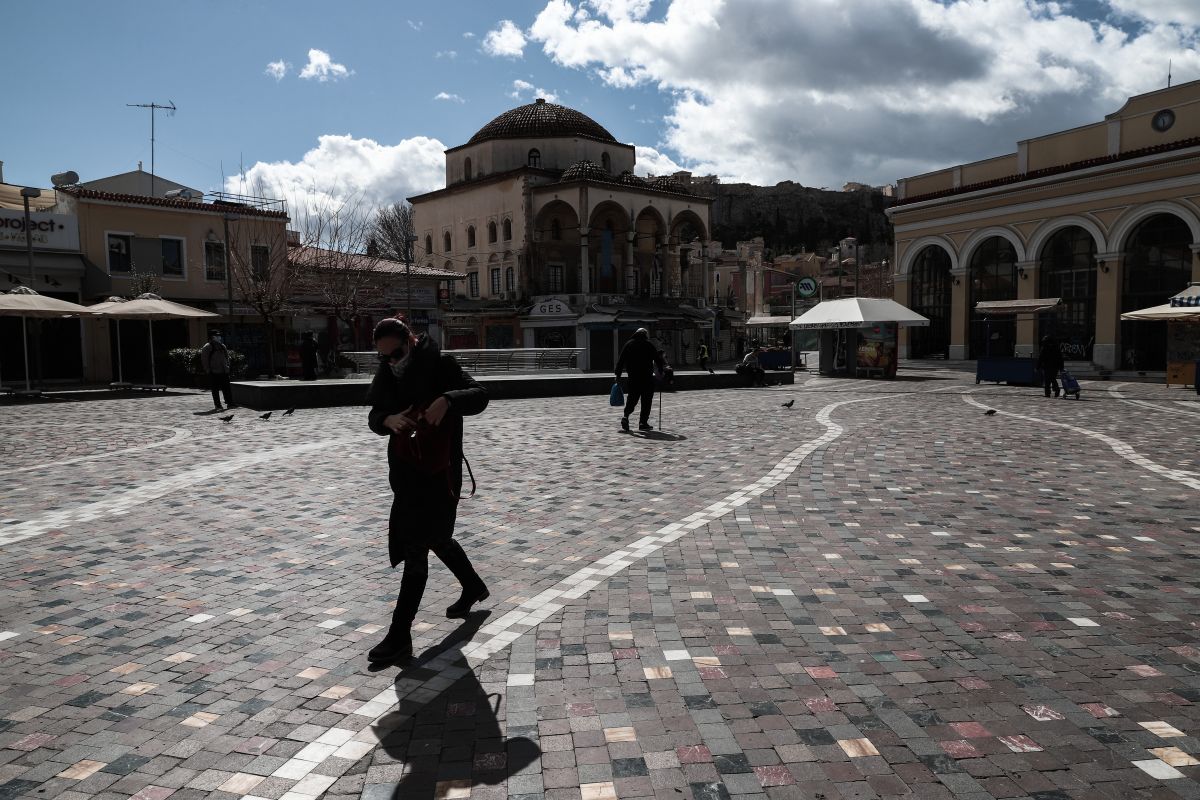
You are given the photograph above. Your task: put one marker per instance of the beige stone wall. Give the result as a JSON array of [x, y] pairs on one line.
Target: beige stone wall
[[1068, 147], [988, 169]]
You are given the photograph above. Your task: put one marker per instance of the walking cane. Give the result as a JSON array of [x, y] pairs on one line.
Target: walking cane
[[660, 402]]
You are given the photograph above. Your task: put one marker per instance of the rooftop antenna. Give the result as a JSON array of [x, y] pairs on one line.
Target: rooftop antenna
[[154, 107], [1169, 73]]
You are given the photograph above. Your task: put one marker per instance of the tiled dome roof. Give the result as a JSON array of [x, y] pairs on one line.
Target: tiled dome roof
[[666, 183], [585, 170], [629, 179], [541, 120]]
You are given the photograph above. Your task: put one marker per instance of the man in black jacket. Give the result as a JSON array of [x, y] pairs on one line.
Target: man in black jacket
[[417, 385], [1050, 362], [638, 357]]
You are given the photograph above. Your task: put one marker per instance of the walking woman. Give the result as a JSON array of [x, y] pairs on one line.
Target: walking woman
[[418, 400]]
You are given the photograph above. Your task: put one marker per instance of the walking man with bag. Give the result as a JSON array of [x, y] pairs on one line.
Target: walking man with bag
[[418, 400], [639, 357], [1050, 362], [214, 359]]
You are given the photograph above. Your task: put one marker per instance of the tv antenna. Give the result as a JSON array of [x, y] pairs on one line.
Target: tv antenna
[[154, 107], [1169, 65]]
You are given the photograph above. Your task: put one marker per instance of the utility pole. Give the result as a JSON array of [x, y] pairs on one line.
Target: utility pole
[[408, 243], [170, 106], [228, 218]]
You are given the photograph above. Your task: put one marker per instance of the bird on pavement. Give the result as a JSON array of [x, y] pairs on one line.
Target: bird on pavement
[[990, 412], [265, 416], [227, 419], [289, 412], [789, 403]]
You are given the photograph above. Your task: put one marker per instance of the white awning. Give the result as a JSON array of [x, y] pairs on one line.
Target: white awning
[[854, 312], [764, 321], [1002, 307]]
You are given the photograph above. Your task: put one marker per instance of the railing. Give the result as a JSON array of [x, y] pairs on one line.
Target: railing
[[528, 359]]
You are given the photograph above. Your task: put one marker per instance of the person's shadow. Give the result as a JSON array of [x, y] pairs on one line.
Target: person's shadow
[[453, 737]]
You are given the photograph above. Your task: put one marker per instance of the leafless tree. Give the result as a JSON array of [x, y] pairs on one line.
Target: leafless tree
[[264, 277], [141, 283], [392, 232]]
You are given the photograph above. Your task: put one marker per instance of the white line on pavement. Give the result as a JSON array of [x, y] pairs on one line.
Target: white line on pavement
[[1113, 391], [179, 434], [1123, 449]]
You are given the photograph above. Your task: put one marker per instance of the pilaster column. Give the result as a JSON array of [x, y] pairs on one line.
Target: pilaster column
[[1110, 271], [900, 293], [585, 268], [704, 269], [663, 268], [959, 315], [1195, 263], [630, 263], [1028, 283]]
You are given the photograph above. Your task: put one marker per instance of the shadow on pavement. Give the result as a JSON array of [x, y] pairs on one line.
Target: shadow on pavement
[[455, 738], [658, 436]]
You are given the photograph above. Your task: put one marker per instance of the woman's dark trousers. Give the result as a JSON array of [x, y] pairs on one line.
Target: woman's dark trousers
[[416, 574]]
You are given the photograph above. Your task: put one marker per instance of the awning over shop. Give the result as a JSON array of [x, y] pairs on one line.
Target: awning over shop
[[1184, 306], [17, 262], [1006, 307], [768, 321], [854, 312]]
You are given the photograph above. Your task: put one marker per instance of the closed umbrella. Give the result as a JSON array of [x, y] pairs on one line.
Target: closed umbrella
[[151, 307], [25, 302]]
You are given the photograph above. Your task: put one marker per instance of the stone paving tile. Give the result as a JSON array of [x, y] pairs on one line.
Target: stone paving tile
[[910, 592]]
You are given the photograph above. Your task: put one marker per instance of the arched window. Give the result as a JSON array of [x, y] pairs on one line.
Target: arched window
[[509, 278], [993, 275], [508, 230], [535, 158], [605, 162], [428, 244], [1067, 269], [470, 236], [930, 285], [491, 233], [466, 169], [1158, 264], [446, 242], [555, 230]]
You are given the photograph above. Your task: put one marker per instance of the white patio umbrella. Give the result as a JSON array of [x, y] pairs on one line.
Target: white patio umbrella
[[100, 308], [25, 302], [150, 307], [854, 312], [1182, 307]]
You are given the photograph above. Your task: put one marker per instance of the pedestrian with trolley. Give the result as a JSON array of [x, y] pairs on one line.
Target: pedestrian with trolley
[[214, 359], [1050, 362]]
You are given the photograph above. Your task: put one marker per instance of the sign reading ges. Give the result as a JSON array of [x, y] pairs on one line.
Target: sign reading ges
[[551, 307], [48, 231]]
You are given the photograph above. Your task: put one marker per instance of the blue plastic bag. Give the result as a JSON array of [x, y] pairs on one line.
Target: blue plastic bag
[[616, 397]]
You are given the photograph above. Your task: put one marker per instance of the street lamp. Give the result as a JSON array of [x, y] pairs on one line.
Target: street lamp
[[27, 193]]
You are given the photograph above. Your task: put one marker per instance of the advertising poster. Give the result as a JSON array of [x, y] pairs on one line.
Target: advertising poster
[[877, 348]]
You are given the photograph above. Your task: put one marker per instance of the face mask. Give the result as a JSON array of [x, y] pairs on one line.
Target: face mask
[[398, 362], [219, 339]]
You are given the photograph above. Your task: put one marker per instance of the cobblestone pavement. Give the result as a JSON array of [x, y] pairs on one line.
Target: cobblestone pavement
[[882, 591]]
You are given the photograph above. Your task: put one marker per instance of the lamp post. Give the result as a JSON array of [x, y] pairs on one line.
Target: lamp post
[[27, 193]]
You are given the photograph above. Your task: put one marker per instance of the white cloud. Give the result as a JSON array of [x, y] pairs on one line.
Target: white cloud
[[507, 40], [879, 89], [277, 69], [454, 98], [323, 68], [652, 162], [468, 35], [450, 54], [341, 166], [416, 26], [524, 90]]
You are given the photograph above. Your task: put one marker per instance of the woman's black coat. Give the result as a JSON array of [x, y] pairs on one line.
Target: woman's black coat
[[424, 506]]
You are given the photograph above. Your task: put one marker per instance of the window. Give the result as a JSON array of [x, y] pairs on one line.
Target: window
[[473, 284], [119, 252], [631, 280], [214, 261], [466, 169], [556, 278], [555, 230], [535, 157], [509, 280], [260, 261], [470, 236], [605, 162], [495, 281], [508, 230], [428, 244], [172, 257], [446, 242], [491, 233]]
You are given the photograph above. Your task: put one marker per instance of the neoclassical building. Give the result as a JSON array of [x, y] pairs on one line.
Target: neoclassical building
[[563, 246], [1105, 216]]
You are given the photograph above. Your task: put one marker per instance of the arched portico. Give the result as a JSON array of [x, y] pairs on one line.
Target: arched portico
[[688, 234], [608, 240], [555, 250], [1037, 242], [979, 237]]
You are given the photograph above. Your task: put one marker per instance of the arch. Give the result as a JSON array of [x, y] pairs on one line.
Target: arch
[[1050, 227], [428, 244], [688, 217], [930, 294], [608, 229], [534, 158], [470, 236], [1128, 221], [467, 168], [507, 229], [1067, 269], [652, 212], [446, 242], [914, 250], [492, 232], [980, 236], [1157, 263], [992, 275], [554, 264]]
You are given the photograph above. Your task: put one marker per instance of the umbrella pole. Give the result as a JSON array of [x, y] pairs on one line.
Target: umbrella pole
[[120, 367], [25, 342], [153, 378]]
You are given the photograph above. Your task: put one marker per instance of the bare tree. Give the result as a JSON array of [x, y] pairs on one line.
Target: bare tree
[[141, 283], [264, 277], [392, 232]]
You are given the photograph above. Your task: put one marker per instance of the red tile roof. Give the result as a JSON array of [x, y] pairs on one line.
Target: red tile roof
[[171, 202]]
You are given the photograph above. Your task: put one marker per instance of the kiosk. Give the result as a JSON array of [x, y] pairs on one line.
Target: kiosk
[[858, 335], [1009, 369]]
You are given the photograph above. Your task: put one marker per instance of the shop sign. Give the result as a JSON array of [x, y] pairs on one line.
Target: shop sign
[[48, 231], [423, 296], [551, 307], [806, 287]]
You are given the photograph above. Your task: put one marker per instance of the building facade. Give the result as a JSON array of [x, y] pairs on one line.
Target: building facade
[[1105, 216], [562, 245]]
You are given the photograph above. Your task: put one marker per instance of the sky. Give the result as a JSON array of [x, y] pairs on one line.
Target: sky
[[362, 98]]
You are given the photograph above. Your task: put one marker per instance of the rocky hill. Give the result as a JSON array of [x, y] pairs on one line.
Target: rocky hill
[[789, 216]]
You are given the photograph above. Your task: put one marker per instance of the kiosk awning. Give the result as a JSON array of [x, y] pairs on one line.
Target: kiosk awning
[[854, 312], [999, 307], [768, 321]]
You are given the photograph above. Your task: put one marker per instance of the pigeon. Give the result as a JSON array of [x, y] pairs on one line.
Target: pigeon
[[990, 412], [265, 416], [289, 412], [789, 403], [227, 419]]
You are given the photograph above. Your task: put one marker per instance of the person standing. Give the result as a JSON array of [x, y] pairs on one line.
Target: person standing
[[418, 389], [214, 359], [639, 357], [704, 357], [1050, 362], [308, 357]]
